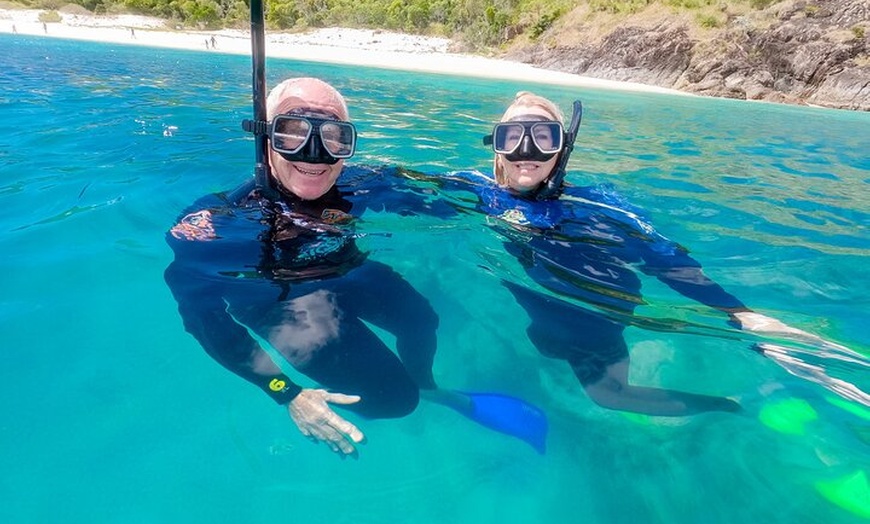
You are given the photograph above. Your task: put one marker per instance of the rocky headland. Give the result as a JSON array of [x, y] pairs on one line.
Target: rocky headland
[[797, 51]]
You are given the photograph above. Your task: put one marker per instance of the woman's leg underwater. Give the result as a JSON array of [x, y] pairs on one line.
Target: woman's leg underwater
[[594, 346]]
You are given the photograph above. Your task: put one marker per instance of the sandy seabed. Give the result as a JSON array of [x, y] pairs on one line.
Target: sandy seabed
[[332, 45]]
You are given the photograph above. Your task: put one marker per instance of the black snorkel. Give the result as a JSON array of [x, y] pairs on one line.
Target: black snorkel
[[553, 185], [259, 125]]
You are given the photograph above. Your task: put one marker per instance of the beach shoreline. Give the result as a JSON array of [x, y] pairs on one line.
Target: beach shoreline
[[361, 47]]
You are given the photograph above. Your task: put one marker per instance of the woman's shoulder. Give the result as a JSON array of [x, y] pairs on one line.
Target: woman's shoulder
[[471, 176], [605, 200], [603, 194]]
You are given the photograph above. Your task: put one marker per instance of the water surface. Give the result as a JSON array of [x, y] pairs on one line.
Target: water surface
[[114, 414]]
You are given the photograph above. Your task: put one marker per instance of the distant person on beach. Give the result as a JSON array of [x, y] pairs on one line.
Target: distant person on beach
[[585, 246], [45, 27], [213, 42], [14, 29], [132, 33], [270, 281], [206, 43]]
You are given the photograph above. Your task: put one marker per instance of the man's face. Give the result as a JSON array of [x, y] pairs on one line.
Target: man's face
[[305, 180]]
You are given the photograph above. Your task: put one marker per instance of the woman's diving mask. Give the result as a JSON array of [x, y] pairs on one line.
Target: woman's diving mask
[[529, 137]]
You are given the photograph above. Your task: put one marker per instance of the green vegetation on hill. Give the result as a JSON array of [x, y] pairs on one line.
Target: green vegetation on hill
[[478, 24]]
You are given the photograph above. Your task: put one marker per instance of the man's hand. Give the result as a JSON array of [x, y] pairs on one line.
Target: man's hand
[[315, 420]]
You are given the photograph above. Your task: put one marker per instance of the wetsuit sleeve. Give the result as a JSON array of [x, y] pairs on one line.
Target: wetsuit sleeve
[[672, 265], [204, 313], [400, 194]]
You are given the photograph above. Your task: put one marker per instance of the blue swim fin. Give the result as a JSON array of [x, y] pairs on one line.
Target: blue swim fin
[[511, 416]]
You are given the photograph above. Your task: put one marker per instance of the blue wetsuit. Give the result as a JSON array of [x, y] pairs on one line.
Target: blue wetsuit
[[289, 272], [588, 245]]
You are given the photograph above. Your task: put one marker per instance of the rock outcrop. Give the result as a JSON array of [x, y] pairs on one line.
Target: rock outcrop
[[811, 52]]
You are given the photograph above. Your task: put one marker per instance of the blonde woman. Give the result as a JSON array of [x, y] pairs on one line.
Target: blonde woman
[[586, 247]]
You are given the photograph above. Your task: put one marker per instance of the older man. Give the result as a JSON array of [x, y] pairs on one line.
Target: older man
[[270, 278]]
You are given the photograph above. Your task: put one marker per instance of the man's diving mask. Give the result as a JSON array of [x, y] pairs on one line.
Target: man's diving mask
[[314, 140], [527, 139]]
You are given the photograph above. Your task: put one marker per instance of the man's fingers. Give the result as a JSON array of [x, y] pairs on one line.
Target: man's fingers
[[352, 432], [341, 398], [341, 435], [347, 429], [339, 444], [346, 447], [314, 418], [356, 435], [344, 428]]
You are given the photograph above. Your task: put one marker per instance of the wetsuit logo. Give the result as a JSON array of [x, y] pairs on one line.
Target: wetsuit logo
[[277, 384], [195, 226], [335, 216], [515, 216]]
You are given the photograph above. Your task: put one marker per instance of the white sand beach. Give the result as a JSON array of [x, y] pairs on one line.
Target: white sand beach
[[334, 45]]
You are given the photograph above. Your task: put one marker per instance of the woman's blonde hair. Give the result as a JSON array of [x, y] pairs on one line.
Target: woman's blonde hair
[[525, 99]]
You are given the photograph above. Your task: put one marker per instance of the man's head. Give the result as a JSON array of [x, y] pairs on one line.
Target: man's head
[[525, 172], [311, 172]]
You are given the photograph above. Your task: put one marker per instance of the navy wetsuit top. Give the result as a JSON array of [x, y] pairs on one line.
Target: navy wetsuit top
[[289, 271], [588, 243], [586, 247]]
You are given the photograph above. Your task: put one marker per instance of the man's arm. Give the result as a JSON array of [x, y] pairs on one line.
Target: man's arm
[[204, 312], [205, 316]]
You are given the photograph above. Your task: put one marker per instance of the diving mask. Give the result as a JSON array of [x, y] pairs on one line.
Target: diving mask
[[303, 138], [527, 139]]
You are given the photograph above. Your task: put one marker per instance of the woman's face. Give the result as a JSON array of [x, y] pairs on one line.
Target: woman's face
[[526, 175]]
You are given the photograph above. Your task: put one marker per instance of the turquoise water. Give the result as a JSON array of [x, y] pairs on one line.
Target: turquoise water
[[112, 413]]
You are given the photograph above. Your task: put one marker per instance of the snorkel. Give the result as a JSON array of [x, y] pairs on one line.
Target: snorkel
[[551, 187], [258, 125], [297, 134]]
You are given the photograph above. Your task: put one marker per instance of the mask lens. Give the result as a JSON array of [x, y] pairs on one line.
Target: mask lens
[[547, 136], [339, 138], [289, 133], [332, 140], [506, 137]]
